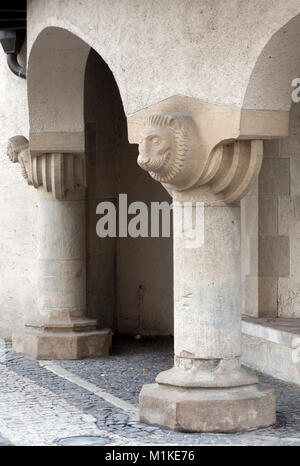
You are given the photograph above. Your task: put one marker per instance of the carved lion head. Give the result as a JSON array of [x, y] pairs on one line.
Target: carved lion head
[[18, 151], [15, 146], [162, 147]]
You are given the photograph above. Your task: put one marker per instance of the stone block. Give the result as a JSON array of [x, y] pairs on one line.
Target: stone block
[[268, 215], [296, 201], [274, 256], [250, 295], [268, 296], [207, 410], [62, 344], [251, 215], [271, 148], [274, 177], [252, 255], [286, 214], [269, 347], [295, 174], [289, 297]]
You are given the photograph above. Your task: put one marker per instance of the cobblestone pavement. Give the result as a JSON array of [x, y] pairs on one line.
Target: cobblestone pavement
[[94, 401]]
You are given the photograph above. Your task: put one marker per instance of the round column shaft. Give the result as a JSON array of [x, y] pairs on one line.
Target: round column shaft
[[207, 297], [62, 257], [207, 284]]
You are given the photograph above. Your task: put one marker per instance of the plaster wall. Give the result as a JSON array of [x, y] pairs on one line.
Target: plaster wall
[[18, 211], [201, 49]]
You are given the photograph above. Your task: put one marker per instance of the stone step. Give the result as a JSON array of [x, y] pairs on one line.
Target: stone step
[[272, 346]]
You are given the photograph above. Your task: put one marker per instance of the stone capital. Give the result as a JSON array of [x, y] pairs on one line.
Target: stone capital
[[170, 150], [203, 152], [55, 172]]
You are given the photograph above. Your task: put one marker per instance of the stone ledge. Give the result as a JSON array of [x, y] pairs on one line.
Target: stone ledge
[[276, 330], [268, 346]]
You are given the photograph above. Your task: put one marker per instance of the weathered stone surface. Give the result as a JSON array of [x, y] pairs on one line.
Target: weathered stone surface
[[251, 295], [274, 177], [267, 215], [207, 282], [250, 204], [201, 373], [180, 149], [271, 148], [252, 255], [268, 288], [289, 297], [62, 344], [274, 257], [213, 410], [272, 346]]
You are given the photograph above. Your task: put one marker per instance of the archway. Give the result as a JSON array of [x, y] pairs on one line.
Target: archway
[[78, 139], [139, 295]]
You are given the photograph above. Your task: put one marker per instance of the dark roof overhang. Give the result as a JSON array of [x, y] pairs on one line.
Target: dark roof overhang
[[13, 32]]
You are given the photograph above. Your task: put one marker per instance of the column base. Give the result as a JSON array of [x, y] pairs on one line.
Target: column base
[[207, 373], [208, 410], [63, 341]]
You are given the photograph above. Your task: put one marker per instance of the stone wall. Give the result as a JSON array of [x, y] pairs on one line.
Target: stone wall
[[271, 230], [289, 219], [17, 211]]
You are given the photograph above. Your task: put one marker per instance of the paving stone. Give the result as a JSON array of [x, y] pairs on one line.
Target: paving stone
[[113, 424], [83, 441]]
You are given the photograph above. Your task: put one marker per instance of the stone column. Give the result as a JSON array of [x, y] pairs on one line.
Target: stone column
[[207, 389], [63, 331]]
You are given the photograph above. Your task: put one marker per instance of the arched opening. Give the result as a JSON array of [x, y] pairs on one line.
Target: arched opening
[[75, 106], [129, 279]]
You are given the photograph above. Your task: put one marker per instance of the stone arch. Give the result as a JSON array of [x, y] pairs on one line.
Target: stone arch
[[56, 68], [75, 106], [269, 86]]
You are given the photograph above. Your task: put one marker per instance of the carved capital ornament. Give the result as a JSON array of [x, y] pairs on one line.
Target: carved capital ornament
[[57, 173], [170, 150]]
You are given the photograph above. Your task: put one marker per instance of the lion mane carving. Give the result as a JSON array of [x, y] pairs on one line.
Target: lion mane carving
[[18, 151], [164, 148]]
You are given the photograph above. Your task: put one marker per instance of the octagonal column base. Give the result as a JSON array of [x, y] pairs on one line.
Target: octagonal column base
[[208, 410], [63, 343]]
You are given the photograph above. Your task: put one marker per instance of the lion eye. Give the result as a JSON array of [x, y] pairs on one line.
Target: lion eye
[[156, 140]]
